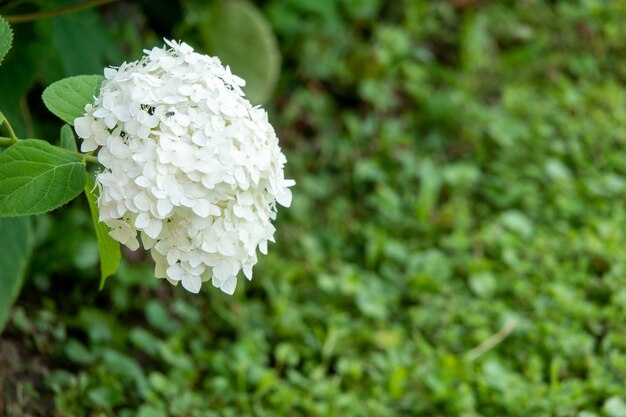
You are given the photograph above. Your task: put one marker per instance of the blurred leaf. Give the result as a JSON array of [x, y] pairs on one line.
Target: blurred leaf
[[430, 185], [84, 43], [68, 141], [17, 239], [477, 47], [67, 98], [615, 407], [105, 397], [150, 411], [18, 74], [483, 284], [6, 38], [110, 252], [77, 352], [238, 33], [36, 177]]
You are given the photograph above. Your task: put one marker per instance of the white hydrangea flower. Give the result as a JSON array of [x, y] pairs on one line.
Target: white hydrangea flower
[[190, 166]]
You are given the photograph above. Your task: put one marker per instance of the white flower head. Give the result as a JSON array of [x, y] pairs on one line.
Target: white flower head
[[190, 166]]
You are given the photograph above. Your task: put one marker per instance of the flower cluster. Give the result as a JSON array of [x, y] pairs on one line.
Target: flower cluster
[[190, 166]]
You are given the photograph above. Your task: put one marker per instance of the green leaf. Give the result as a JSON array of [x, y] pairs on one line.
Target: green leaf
[[477, 49], [67, 98], [84, 42], [17, 238], [6, 38], [68, 141], [36, 177], [238, 33], [110, 253], [19, 72]]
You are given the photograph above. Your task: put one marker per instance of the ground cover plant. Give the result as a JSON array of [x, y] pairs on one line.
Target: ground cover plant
[[455, 244]]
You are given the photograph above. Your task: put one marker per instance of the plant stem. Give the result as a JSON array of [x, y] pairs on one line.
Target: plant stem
[[492, 341], [89, 158], [29, 17], [6, 141], [85, 157], [26, 116], [14, 138]]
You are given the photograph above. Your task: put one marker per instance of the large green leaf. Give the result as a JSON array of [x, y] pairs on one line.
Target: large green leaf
[[67, 98], [238, 33], [6, 38], [36, 177], [110, 253], [17, 239], [83, 40]]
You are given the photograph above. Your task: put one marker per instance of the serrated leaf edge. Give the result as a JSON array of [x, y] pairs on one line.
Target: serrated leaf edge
[[49, 89], [2, 55]]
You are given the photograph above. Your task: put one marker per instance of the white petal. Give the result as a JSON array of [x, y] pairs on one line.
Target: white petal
[[164, 207], [222, 271], [132, 243], [247, 271], [192, 284], [142, 201], [175, 272], [202, 208], [83, 128], [154, 228], [283, 197], [226, 247], [229, 285], [142, 221]]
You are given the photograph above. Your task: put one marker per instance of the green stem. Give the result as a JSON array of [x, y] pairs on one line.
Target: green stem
[[85, 157], [14, 138], [492, 341], [29, 17], [26, 116], [6, 141], [89, 158]]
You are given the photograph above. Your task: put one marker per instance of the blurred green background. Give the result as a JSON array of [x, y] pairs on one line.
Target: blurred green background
[[456, 245]]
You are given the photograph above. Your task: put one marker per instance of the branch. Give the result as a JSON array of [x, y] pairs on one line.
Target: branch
[[30, 17], [492, 341]]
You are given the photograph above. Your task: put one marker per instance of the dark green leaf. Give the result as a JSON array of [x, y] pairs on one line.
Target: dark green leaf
[[18, 74], [83, 42], [238, 33], [110, 253], [36, 177], [6, 38], [68, 141], [67, 98], [16, 236]]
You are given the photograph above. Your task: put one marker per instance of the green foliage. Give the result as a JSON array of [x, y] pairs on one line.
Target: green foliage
[[88, 54], [6, 38], [14, 254], [36, 177], [108, 248], [67, 98], [67, 139], [236, 31]]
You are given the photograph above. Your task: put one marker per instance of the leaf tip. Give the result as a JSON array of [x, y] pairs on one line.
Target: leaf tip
[[6, 38]]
